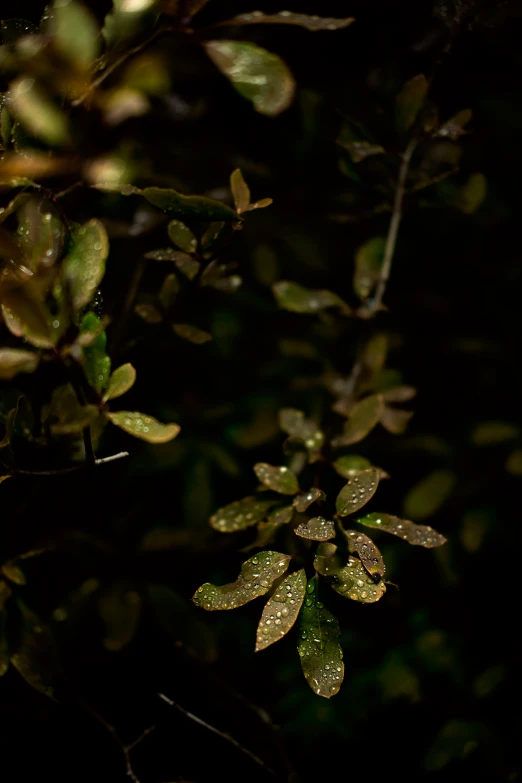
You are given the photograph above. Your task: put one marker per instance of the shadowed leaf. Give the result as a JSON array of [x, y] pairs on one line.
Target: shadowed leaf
[[426, 497], [514, 463], [266, 530], [417, 535], [355, 583], [240, 514], [394, 420], [357, 492], [409, 102], [281, 610], [170, 200], [192, 333], [327, 560], [489, 433], [181, 236], [84, 266], [36, 659], [144, 427], [176, 616], [297, 299], [121, 380], [75, 33], [120, 610], [316, 529], [319, 649], [279, 478], [312, 23], [27, 317], [294, 423], [368, 265], [368, 553], [351, 464], [363, 418], [15, 360], [305, 499], [37, 113], [472, 194]]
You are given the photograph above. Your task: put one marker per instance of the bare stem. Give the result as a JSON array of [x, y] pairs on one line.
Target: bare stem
[[71, 469]]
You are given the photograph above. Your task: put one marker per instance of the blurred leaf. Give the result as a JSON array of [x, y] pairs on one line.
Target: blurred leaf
[[148, 73], [168, 292], [121, 380], [368, 264], [359, 150], [75, 32], [305, 499], [64, 414], [36, 658], [120, 610], [266, 531], [182, 236], [371, 558], [278, 478], [351, 464], [176, 616], [96, 363], [37, 113], [417, 535], [399, 394], [240, 191], [489, 433], [455, 126], [4, 649], [15, 360], [144, 427], [14, 205], [192, 333], [409, 102], [363, 418], [318, 646], [472, 194], [426, 497], [26, 317], [514, 463], [357, 492], [170, 200], [456, 740], [398, 679], [312, 23], [355, 583], [294, 423], [297, 299], [316, 529], [327, 560], [395, 420], [14, 29], [149, 313], [281, 610], [84, 266], [128, 19], [255, 579], [258, 75], [187, 266], [240, 514]]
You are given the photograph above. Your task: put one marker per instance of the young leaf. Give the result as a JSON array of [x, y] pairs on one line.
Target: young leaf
[[363, 418], [279, 478], [192, 333], [170, 200], [368, 264], [354, 583], [327, 560], [84, 266], [240, 191], [312, 23], [410, 101], [15, 360], [181, 236], [351, 464], [37, 113], [417, 535], [357, 492], [297, 299], [121, 380], [294, 423], [316, 529], [96, 363], [319, 649], [258, 75], [144, 427], [368, 553], [281, 610], [64, 415], [305, 499], [240, 514], [426, 497], [257, 575]]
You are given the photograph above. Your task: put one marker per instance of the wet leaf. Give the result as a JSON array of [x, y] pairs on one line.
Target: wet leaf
[[240, 514], [120, 610], [276, 477], [84, 266], [257, 575], [363, 418], [357, 492], [170, 200], [96, 363], [426, 497], [319, 649], [316, 529], [472, 194], [395, 420], [36, 659], [258, 75], [454, 128], [369, 555], [312, 23], [281, 610], [14, 205], [240, 191], [121, 380], [75, 33], [16, 360], [368, 264], [37, 113], [144, 427], [181, 236], [417, 535], [410, 101], [327, 560], [514, 463], [297, 299], [351, 464], [192, 333], [26, 317], [489, 433], [40, 234], [305, 499], [354, 583], [294, 423]]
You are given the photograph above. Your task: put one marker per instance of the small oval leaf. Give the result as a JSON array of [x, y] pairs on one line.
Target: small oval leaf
[[297, 299], [319, 649], [426, 497], [240, 191], [192, 333], [266, 531], [417, 535], [351, 464], [316, 529], [240, 514], [410, 101], [181, 236], [281, 610], [84, 266], [368, 264], [327, 560], [276, 477], [170, 200], [357, 492], [294, 423], [305, 499], [363, 418], [368, 553], [144, 427], [121, 380], [354, 583], [16, 360]]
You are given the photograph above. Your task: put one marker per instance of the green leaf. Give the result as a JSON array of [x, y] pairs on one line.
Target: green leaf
[[16, 360], [409, 102], [121, 380], [297, 299], [281, 610], [168, 292], [417, 535], [144, 427], [192, 333], [40, 234], [120, 610], [149, 313], [129, 19], [240, 191], [258, 75], [276, 477], [294, 423], [357, 492], [355, 583], [351, 464], [426, 497], [305, 499], [170, 200], [312, 23], [363, 418], [472, 194], [36, 658], [37, 113], [266, 531], [182, 237], [514, 463], [371, 558], [368, 264], [96, 363], [327, 560], [84, 266], [75, 32], [255, 579], [489, 433], [240, 514], [395, 420], [318, 647], [316, 529], [64, 415]]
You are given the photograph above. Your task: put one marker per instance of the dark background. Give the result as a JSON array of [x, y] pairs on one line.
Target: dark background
[[432, 678]]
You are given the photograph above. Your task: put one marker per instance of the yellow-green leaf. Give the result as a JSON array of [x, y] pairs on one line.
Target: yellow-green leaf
[[363, 418], [318, 647], [240, 514], [368, 264], [84, 266], [351, 464], [144, 427], [240, 191], [276, 477], [417, 535], [297, 299], [410, 101], [281, 610], [316, 529], [75, 32], [312, 23], [192, 333], [426, 497], [369, 555], [37, 113], [26, 316], [121, 380], [472, 193], [355, 583], [489, 433], [127, 19], [357, 492], [181, 236], [294, 423], [16, 360]]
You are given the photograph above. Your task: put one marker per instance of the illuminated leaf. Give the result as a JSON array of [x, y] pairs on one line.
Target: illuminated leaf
[[294, 423], [84, 266], [240, 191], [170, 200], [492, 432], [319, 649], [96, 363], [368, 264], [355, 583], [144, 427], [128, 19], [37, 113], [181, 236], [16, 360], [305, 499], [426, 497], [75, 32], [395, 420], [357, 492], [297, 299], [257, 575], [312, 23], [120, 610], [36, 658], [368, 553], [281, 610], [351, 464], [363, 418], [316, 529], [279, 478], [192, 333], [240, 514], [258, 75], [121, 380], [410, 101], [417, 535], [327, 560]]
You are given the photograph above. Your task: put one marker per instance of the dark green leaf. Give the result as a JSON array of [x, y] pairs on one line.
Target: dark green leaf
[[121, 380], [363, 418], [120, 610], [312, 23], [36, 659], [294, 423], [144, 427], [417, 535], [305, 499], [319, 649], [410, 101], [168, 292], [84, 266], [27, 317], [297, 299], [266, 531], [257, 575], [64, 415], [181, 236], [472, 194], [126, 20], [316, 529], [357, 492], [187, 265], [514, 463], [240, 514], [170, 200], [16, 360], [327, 560], [192, 333], [368, 553], [368, 264], [426, 497], [354, 583], [279, 478], [281, 610]]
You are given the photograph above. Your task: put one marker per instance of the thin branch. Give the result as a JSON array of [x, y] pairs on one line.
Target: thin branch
[[72, 469], [227, 737]]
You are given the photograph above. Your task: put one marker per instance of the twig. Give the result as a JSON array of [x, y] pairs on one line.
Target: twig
[[227, 737], [72, 469]]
